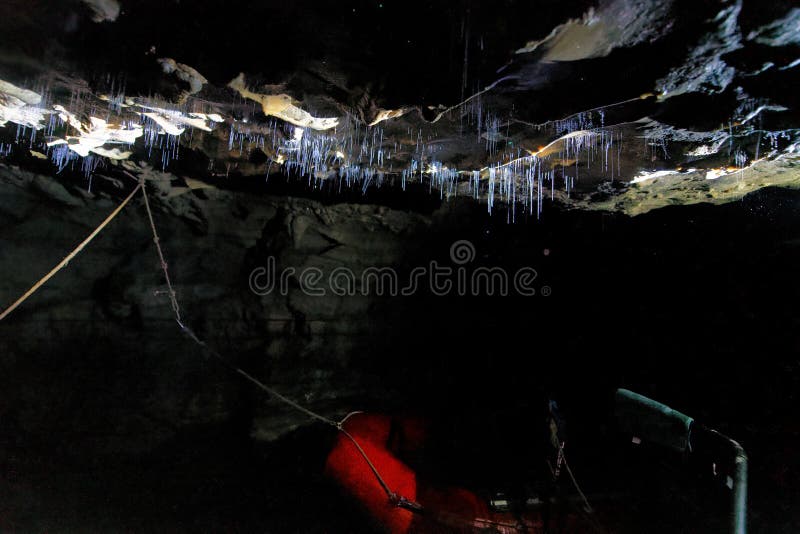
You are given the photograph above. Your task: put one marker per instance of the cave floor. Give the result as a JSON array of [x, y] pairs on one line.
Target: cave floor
[[210, 480]]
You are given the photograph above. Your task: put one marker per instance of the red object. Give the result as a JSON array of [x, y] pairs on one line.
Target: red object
[[347, 466], [445, 509]]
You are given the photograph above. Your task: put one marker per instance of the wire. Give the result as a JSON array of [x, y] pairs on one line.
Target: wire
[[589, 508], [394, 498], [70, 256]]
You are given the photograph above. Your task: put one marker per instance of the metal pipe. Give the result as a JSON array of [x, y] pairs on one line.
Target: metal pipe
[[658, 423], [739, 489]]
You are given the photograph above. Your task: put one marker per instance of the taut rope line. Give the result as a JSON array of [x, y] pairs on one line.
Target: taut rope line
[[69, 257], [393, 497]]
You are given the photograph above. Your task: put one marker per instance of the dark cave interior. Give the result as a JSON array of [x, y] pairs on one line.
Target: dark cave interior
[[639, 158]]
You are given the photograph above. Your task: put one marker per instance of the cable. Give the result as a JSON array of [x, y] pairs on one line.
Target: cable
[[393, 497], [589, 508], [69, 257]]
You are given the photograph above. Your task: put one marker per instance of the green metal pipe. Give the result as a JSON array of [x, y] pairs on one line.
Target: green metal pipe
[[658, 423], [739, 489], [652, 421]]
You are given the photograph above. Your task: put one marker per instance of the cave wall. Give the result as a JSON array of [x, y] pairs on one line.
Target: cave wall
[[96, 357]]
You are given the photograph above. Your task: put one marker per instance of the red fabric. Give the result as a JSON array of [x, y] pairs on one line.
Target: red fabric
[[408, 435], [346, 465], [374, 433], [447, 509]]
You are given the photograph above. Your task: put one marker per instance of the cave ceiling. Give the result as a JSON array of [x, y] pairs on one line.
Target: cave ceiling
[[618, 105]]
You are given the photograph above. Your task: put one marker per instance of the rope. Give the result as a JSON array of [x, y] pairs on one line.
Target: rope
[[69, 257], [252, 379], [394, 498], [175, 307], [561, 459], [339, 425], [588, 506]]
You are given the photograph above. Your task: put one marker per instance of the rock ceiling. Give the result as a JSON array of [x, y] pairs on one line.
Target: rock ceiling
[[621, 105]]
